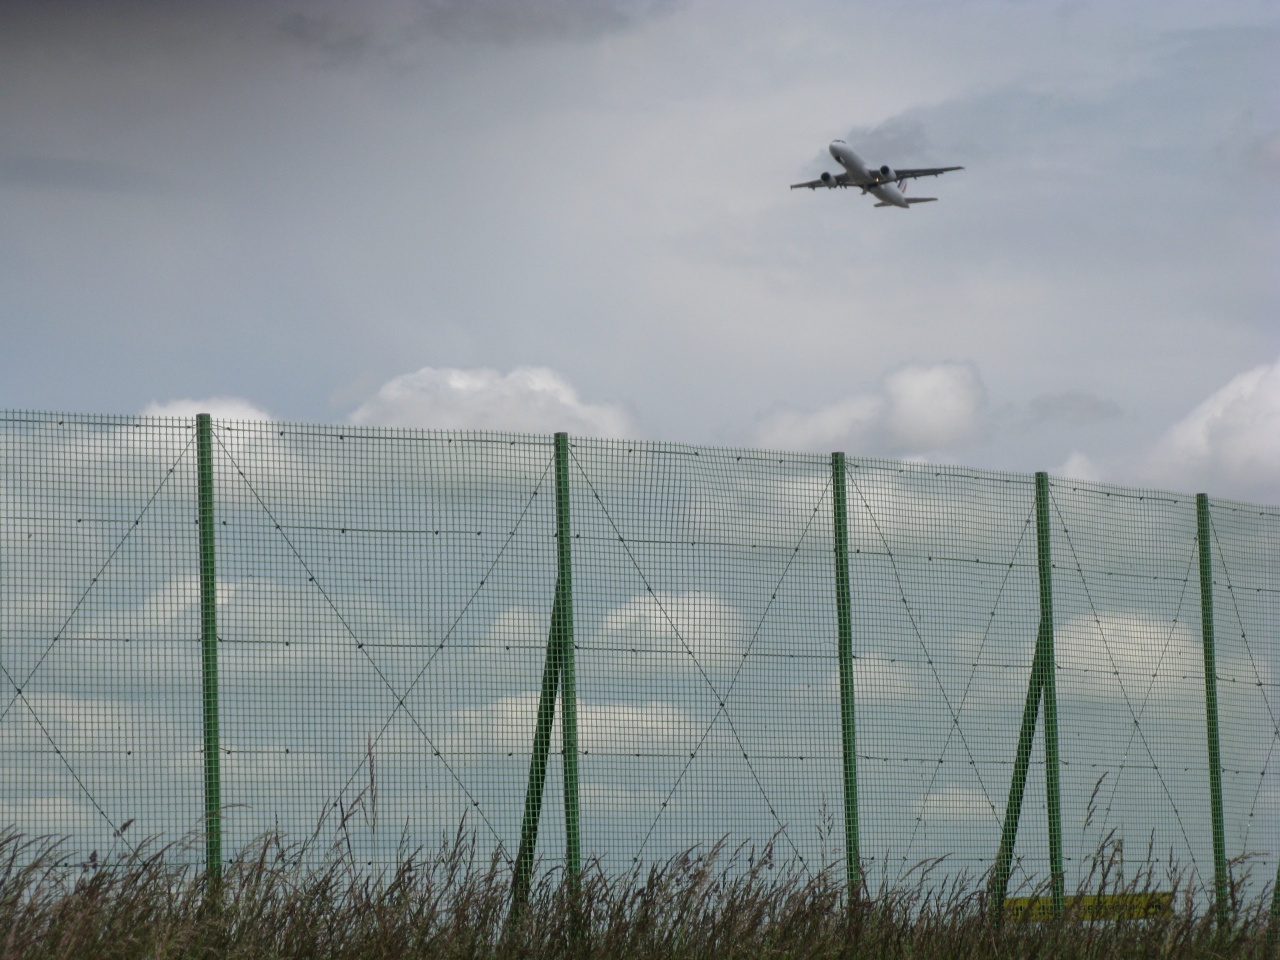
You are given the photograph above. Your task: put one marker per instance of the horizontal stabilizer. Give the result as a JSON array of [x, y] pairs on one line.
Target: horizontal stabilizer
[[883, 203]]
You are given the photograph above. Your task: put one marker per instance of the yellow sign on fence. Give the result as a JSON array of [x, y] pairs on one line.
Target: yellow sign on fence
[[1106, 906]]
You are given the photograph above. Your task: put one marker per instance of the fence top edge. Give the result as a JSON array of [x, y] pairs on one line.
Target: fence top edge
[[854, 465]]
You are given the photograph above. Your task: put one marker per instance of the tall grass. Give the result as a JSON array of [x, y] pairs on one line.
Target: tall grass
[[278, 901]]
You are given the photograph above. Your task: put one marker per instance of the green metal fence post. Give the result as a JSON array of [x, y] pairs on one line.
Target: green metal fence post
[[209, 648], [1211, 707], [557, 667], [844, 654], [562, 628], [1041, 684], [1048, 684]]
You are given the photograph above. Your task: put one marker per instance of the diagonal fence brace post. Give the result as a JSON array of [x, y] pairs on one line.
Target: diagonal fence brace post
[[557, 675], [1041, 685]]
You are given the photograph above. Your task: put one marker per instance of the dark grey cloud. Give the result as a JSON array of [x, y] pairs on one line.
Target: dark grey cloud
[[341, 35], [60, 173], [335, 40], [509, 21]]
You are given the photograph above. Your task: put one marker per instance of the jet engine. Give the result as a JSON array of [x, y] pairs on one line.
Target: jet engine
[[887, 173], [828, 179]]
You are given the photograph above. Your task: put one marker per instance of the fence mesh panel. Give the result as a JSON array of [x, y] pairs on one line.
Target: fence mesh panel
[[944, 597], [385, 644], [100, 733], [1131, 689], [1246, 596]]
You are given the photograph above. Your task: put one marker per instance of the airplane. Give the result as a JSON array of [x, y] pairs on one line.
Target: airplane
[[885, 183]]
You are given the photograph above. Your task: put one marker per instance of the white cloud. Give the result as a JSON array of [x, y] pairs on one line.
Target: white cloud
[[519, 625], [919, 409], [621, 728], [1230, 443], [75, 723], [1079, 466], [1119, 655], [954, 803], [527, 400], [678, 626], [220, 408], [507, 725], [849, 422], [879, 680]]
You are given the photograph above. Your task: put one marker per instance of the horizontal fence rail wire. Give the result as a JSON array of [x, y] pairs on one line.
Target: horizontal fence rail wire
[[586, 651]]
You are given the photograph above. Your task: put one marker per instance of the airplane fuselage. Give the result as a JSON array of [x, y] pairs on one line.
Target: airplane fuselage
[[877, 181]]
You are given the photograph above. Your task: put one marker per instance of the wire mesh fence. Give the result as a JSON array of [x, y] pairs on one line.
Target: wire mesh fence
[[610, 651]]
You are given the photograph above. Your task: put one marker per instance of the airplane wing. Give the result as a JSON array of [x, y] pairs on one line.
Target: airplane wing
[[828, 180], [923, 172]]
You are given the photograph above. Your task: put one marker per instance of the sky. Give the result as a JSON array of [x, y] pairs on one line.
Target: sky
[[574, 215]]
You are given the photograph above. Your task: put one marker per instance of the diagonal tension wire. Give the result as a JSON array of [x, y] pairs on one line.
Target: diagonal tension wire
[[453, 626], [359, 645], [964, 698], [720, 699], [1115, 667], [1115, 787], [92, 582], [67, 763], [773, 594], [688, 763], [1257, 676], [20, 688], [897, 577]]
